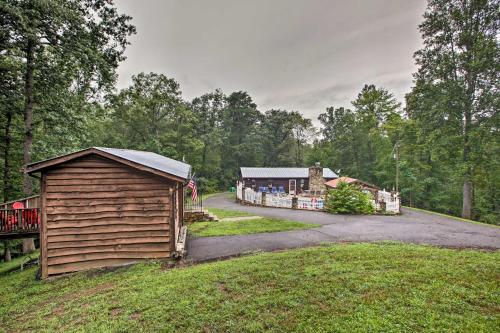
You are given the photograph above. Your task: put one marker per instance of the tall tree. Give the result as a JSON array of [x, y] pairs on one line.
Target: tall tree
[[208, 110], [69, 51], [459, 65], [361, 139], [151, 115], [241, 121], [78, 43]]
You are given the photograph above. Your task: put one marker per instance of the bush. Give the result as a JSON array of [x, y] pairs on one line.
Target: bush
[[348, 199]]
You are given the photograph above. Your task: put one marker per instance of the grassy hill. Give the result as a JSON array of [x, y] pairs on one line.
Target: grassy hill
[[344, 287]]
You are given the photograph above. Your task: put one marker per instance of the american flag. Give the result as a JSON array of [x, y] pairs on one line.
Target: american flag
[[194, 190]]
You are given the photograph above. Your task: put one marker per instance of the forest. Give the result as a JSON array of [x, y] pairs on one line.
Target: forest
[[58, 65]]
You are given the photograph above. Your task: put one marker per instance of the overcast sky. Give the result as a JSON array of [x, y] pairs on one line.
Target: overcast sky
[[302, 55]]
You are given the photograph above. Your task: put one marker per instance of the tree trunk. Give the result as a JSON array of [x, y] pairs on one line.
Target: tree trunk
[[6, 253], [467, 189], [28, 112], [28, 243], [467, 200], [6, 153]]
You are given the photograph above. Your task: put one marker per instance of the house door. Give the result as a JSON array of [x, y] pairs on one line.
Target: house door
[[292, 184]]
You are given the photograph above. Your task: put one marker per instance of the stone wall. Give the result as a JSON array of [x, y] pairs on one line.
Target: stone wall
[[316, 180], [199, 216]]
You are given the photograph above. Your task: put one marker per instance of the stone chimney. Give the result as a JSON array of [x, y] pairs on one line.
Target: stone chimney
[[316, 180]]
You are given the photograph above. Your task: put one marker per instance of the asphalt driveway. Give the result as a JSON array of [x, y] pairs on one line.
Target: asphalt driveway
[[410, 227]]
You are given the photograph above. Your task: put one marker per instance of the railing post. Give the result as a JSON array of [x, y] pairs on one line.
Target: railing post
[[201, 201], [19, 218]]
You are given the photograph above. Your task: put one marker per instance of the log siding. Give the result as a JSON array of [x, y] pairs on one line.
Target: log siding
[[98, 212]]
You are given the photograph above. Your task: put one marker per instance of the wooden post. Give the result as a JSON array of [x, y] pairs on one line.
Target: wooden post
[[263, 199], [20, 219], [295, 202], [173, 212], [43, 227]]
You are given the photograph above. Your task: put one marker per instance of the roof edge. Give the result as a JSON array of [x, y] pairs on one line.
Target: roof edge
[[39, 166]]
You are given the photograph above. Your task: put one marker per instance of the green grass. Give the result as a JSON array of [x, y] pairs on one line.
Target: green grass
[[223, 213], [334, 288], [208, 195], [254, 226], [16, 262], [453, 217]]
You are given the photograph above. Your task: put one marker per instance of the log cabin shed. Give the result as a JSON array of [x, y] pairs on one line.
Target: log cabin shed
[[106, 207]]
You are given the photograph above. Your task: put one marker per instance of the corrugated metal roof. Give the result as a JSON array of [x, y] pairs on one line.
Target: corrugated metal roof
[[282, 173], [151, 160], [145, 158]]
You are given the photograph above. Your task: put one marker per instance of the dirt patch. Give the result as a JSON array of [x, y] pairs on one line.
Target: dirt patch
[[222, 287], [135, 316], [115, 312], [82, 293]]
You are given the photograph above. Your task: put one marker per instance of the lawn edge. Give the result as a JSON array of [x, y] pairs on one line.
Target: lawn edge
[[453, 217]]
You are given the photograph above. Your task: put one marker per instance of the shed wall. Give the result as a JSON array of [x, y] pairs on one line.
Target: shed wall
[[98, 212]]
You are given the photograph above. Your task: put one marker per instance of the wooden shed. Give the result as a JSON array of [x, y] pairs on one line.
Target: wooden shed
[[105, 207]]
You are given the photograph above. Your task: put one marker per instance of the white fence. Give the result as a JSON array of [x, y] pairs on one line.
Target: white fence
[[277, 200], [310, 203], [391, 200], [252, 196]]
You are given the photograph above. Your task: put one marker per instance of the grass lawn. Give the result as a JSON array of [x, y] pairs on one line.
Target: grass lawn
[[254, 226], [223, 213], [345, 287], [16, 262], [453, 217]]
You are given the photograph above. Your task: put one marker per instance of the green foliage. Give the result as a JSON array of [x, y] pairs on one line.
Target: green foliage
[[71, 50], [447, 134], [370, 287], [348, 199], [359, 141]]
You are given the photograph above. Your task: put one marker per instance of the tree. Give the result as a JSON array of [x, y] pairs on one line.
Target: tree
[[241, 121], [151, 115], [303, 132], [67, 52], [75, 45], [208, 111], [360, 140], [459, 65]]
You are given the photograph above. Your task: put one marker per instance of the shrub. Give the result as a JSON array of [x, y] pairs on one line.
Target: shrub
[[348, 199]]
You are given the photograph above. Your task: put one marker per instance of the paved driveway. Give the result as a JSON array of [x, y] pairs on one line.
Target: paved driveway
[[410, 227]]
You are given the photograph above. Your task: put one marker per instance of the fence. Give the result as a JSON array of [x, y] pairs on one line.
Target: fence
[[19, 220], [278, 199], [386, 201], [193, 206], [390, 200], [29, 202], [311, 203]]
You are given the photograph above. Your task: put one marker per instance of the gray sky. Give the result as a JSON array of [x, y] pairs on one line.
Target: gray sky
[[297, 55]]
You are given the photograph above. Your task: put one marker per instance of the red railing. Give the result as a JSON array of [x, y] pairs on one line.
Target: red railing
[[19, 220]]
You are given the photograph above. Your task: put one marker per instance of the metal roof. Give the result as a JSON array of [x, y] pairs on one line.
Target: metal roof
[[282, 173], [145, 158], [151, 160]]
